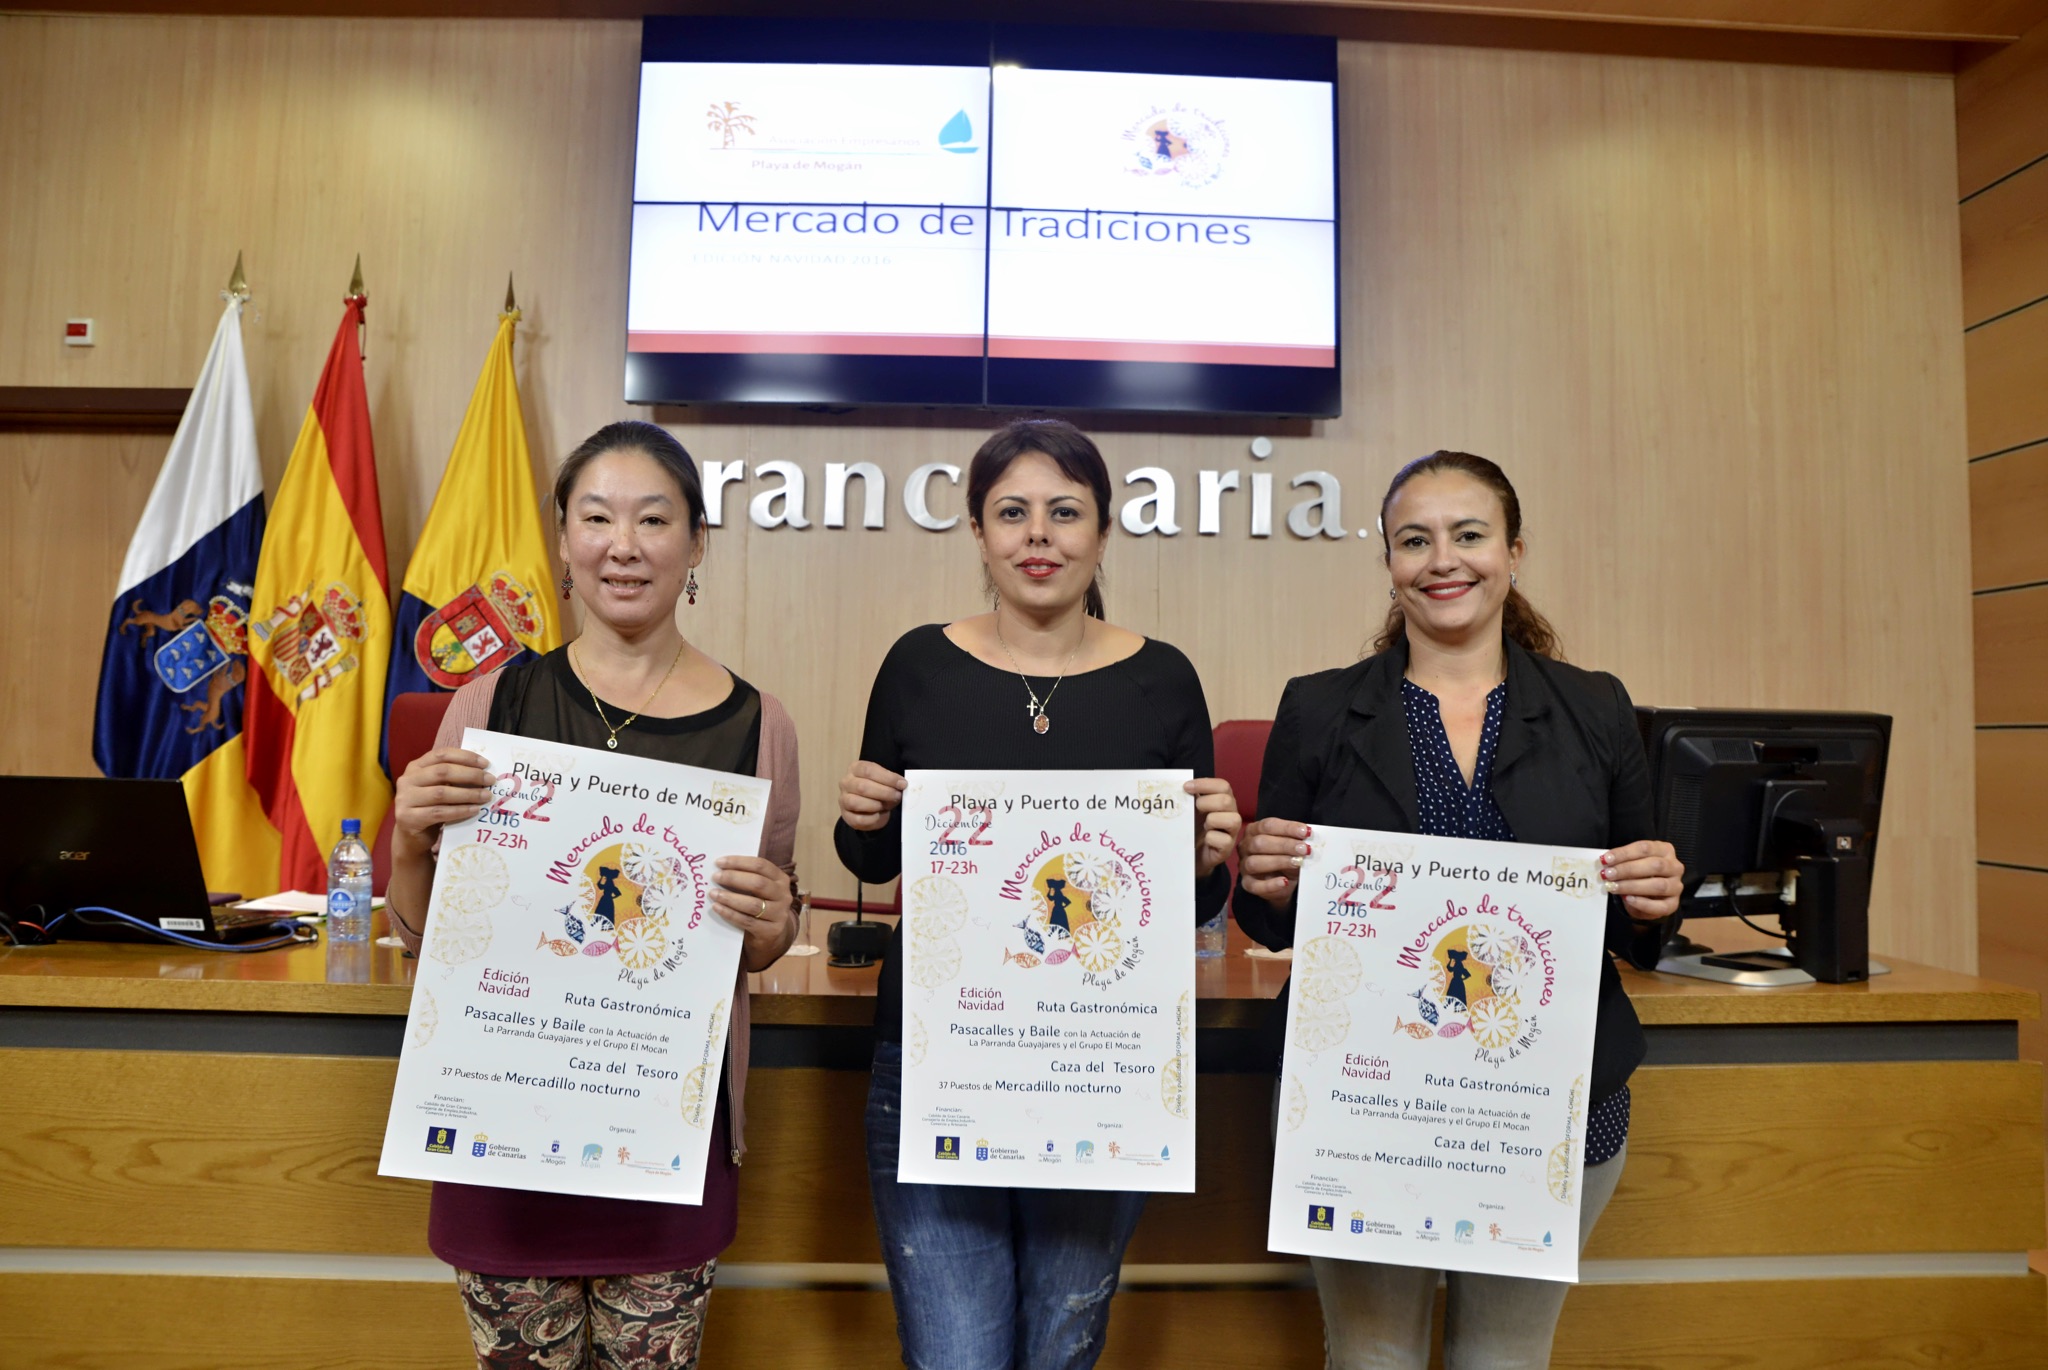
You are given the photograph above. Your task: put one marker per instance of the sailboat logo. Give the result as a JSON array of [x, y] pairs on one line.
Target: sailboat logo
[[958, 134]]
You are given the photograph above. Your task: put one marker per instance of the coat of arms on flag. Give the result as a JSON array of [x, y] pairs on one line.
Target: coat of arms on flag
[[204, 647], [312, 638], [171, 695], [477, 631]]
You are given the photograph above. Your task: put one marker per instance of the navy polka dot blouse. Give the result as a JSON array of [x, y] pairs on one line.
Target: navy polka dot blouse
[[1450, 808]]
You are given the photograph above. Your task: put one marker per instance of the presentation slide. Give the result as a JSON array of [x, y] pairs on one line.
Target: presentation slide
[[787, 209], [1162, 218], [974, 234]]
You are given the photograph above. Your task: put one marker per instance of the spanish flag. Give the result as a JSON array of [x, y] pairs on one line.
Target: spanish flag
[[320, 628], [476, 590]]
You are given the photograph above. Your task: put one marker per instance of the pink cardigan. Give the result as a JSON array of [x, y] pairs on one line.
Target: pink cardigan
[[471, 708]]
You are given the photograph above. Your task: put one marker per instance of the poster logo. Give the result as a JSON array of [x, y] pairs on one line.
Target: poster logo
[[947, 1149], [441, 1140], [958, 134], [479, 1145], [1479, 980], [1319, 1218], [1081, 901], [1179, 141], [724, 118], [633, 899], [1357, 1221], [981, 1149]]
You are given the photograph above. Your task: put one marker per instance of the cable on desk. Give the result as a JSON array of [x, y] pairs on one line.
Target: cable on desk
[[290, 933]]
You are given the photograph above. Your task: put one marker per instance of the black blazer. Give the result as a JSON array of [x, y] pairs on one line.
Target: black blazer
[[1568, 770]]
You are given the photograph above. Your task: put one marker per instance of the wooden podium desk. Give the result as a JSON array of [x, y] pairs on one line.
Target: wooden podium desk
[[1818, 1177]]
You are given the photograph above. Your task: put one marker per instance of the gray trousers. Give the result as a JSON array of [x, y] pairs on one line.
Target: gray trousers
[[1376, 1317]]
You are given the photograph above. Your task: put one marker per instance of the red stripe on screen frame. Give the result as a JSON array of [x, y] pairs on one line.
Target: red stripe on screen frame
[[1123, 350], [842, 344]]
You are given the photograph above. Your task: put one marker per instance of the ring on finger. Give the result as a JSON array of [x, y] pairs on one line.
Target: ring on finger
[[764, 909]]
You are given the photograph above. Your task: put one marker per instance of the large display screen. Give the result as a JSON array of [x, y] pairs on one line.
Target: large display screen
[[984, 215]]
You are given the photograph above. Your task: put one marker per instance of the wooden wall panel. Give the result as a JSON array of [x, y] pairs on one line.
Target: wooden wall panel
[[127, 1149], [2002, 154], [177, 1323], [2007, 360], [1863, 34], [1950, 18], [2002, 112], [447, 153], [1805, 1325], [2012, 937], [1646, 286], [2012, 656], [2012, 795], [71, 504], [2009, 520], [196, 1322], [2005, 245], [1751, 1160], [809, 1123]]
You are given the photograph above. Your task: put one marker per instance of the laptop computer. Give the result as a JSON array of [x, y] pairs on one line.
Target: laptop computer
[[77, 842]]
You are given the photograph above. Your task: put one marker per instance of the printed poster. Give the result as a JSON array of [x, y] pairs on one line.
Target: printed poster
[[1439, 1040], [568, 1020], [1049, 979]]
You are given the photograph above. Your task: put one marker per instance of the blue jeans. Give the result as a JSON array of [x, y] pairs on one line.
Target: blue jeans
[[991, 1279]]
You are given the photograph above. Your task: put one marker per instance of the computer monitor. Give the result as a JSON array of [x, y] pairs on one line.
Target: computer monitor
[[1773, 812]]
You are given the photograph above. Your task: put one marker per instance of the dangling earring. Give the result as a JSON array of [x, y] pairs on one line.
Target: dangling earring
[[690, 585], [568, 583], [1511, 580]]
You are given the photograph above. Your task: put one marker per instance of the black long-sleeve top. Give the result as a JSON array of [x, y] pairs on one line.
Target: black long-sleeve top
[[937, 706], [1568, 771]]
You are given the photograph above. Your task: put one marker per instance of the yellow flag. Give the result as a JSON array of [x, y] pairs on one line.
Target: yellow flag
[[476, 592]]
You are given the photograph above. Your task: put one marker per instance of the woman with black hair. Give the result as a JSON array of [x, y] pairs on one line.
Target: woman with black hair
[[990, 1278], [554, 1280]]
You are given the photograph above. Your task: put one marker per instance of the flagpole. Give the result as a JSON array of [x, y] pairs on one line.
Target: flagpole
[[355, 292], [238, 284]]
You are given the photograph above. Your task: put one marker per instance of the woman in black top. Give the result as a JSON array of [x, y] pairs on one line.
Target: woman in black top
[[569, 1280], [988, 1277], [1466, 680]]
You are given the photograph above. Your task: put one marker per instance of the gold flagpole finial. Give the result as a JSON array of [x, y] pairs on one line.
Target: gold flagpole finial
[[238, 284], [355, 292], [511, 304]]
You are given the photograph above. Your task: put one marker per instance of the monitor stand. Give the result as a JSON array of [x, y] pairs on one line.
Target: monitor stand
[[1766, 968]]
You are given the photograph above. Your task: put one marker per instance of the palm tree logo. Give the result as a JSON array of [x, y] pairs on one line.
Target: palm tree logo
[[724, 118]]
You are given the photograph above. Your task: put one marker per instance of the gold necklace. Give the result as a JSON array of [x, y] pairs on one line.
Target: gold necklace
[[613, 741], [1040, 722]]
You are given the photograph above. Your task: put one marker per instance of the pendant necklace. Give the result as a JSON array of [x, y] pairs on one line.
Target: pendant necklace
[[613, 741], [1040, 722]]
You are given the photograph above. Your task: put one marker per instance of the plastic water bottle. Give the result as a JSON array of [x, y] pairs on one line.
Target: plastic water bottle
[[1212, 937], [348, 886]]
